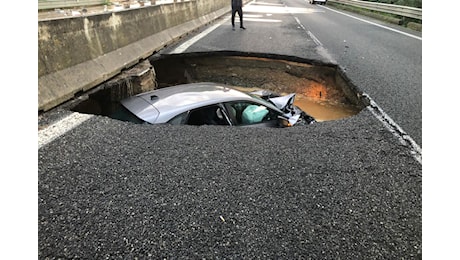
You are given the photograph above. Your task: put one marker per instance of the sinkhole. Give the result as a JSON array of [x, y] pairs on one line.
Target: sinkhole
[[322, 89]]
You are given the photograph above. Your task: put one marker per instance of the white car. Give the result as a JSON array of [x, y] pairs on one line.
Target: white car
[[208, 103], [322, 2]]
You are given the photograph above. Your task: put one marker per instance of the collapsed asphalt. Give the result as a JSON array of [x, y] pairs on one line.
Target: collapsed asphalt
[[343, 189]]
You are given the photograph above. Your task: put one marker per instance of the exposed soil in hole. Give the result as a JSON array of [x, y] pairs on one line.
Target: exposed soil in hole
[[322, 90], [320, 109], [325, 110]]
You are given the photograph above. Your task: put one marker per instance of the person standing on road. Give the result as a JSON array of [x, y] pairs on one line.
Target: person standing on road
[[237, 7]]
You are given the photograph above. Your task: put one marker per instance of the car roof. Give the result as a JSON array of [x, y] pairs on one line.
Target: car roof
[[160, 105]]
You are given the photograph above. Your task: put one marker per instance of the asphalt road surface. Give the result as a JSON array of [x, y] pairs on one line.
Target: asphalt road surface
[[343, 189], [110, 189]]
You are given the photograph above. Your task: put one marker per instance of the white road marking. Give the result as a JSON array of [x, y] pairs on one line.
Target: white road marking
[[263, 20], [395, 129], [376, 24], [254, 15], [193, 40], [320, 49], [59, 128], [313, 37]]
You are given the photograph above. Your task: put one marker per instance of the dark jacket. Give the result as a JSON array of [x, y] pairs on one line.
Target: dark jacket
[[237, 3]]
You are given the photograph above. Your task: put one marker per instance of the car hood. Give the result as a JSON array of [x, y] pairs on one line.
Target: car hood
[[284, 103]]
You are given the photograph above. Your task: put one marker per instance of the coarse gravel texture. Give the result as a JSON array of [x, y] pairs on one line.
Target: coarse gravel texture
[[342, 189]]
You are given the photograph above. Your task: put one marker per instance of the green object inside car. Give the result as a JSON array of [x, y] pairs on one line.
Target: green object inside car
[[254, 114]]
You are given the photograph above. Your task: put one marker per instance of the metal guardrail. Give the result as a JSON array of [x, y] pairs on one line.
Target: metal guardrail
[[53, 4], [404, 11]]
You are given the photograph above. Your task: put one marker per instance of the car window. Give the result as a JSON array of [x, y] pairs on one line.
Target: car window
[[180, 119], [210, 115], [246, 113], [123, 114]]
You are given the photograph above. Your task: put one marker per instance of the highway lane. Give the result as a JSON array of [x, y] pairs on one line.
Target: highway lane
[[383, 60], [338, 189], [270, 28]]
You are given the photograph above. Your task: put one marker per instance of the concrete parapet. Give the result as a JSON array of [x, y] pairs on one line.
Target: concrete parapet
[[78, 53]]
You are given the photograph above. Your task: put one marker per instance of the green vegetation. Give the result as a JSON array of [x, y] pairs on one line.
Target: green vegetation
[[411, 23], [411, 3]]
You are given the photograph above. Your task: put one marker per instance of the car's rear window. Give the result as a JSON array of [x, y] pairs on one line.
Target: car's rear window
[[123, 114]]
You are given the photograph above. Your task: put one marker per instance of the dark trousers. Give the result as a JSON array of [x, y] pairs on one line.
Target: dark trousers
[[238, 10]]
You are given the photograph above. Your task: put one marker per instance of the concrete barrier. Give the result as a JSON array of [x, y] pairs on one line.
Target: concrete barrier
[[76, 54]]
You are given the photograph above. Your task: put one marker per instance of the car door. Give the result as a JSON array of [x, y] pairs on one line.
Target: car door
[[251, 114], [207, 115]]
